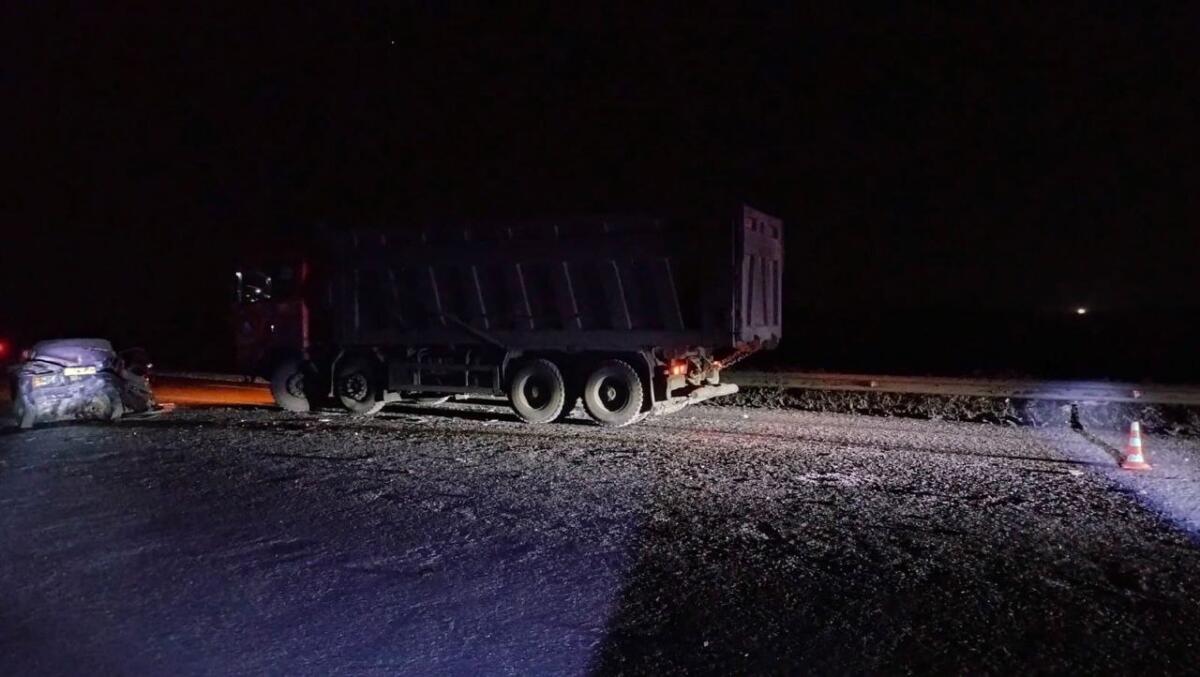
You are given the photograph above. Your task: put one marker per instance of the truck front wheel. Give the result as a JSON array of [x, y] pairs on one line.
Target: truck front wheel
[[612, 394], [537, 391], [358, 385], [291, 384]]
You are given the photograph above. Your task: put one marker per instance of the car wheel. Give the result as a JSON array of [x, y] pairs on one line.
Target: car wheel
[[117, 410], [537, 392], [291, 384], [612, 394], [358, 385], [99, 407]]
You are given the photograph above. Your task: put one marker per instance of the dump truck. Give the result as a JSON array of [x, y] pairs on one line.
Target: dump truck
[[630, 315]]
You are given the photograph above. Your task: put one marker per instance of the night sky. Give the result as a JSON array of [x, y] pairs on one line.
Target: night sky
[[1018, 158]]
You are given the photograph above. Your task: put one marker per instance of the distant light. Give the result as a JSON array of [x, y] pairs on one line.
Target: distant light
[[3, 348], [1081, 311]]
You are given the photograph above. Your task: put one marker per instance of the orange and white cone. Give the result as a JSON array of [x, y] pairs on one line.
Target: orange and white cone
[[1134, 460]]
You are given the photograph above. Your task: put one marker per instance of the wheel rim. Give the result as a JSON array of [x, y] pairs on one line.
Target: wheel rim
[[536, 392], [295, 385], [355, 387], [96, 407], [614, 393]]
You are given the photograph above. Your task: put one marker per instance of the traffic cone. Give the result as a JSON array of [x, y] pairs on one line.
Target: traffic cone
[[1134, 460]]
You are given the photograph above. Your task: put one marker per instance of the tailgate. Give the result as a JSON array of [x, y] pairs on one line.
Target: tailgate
[[758, 303]]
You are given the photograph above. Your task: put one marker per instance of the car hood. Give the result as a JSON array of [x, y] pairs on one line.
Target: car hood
[[74, 352]]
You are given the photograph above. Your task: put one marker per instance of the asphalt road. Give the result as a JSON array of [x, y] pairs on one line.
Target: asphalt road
[[239, 539]]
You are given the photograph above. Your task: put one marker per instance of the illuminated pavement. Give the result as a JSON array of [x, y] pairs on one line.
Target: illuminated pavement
[[194, 392], [238, 539], [186, 391]]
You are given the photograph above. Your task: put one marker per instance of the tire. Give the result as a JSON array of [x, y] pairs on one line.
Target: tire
[[568, 406], [99, 407], [291, 385], [537, 392], [613, 394], [117, 410], [574, 381], [357, 385]]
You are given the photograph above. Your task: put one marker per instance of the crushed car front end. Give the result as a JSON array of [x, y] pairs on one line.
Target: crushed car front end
[[74, 380]]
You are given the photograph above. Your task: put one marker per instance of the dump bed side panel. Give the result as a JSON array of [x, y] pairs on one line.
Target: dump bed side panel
[[586, 284], [597, 284]]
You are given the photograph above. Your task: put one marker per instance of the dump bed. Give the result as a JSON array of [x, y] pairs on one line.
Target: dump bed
[[598, 283]]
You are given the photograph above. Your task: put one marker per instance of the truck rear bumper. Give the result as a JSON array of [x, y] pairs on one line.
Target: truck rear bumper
[[693, 397]]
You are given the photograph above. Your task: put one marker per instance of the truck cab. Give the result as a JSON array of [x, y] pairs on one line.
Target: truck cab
[[272, 312]]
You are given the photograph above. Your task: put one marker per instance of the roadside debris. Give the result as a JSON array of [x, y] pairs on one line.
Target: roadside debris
[[1154, 418]]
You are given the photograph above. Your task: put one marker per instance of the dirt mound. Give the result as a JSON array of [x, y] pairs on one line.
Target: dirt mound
[[1161, 419]]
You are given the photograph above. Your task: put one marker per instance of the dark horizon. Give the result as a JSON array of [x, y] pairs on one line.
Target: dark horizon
[[1017, 163]]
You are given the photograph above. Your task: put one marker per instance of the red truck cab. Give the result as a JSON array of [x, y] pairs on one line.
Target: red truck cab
[[272, 313]]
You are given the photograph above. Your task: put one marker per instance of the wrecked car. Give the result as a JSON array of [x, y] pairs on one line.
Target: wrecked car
[[79, 379]]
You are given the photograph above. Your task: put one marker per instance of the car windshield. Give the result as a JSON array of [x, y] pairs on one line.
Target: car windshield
[[265, 283]]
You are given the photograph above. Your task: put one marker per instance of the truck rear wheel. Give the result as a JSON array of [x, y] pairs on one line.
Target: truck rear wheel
[[612, 394], [291, 383], [537, 391], [358, 385]]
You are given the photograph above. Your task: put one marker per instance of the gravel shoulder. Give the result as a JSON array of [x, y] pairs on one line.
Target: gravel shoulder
[[719, 539]]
